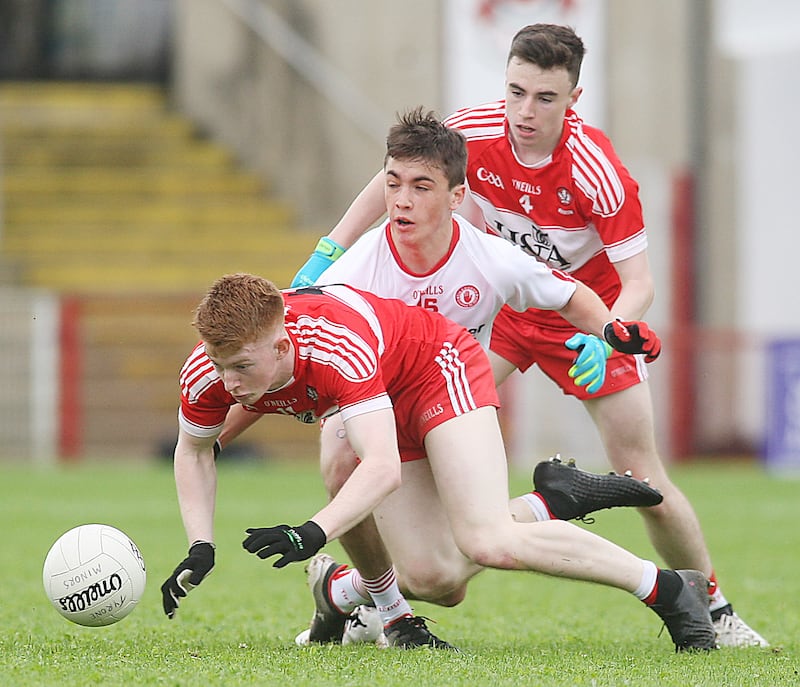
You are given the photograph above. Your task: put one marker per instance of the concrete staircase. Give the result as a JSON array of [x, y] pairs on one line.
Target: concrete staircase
[[115, 201], [107, 189]]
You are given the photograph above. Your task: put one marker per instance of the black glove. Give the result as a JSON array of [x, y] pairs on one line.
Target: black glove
[[633, 338], [191, 572], [295, 543]]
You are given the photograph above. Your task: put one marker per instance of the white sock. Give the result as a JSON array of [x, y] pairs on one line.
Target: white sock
[[717, 600], [648, 583], [347, 590], [537, 505], [389, 601]]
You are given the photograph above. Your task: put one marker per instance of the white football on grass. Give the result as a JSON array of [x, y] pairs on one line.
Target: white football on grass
[[94, 575]]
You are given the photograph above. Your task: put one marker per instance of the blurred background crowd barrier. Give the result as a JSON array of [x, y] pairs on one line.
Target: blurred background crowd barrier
[[148, 146]]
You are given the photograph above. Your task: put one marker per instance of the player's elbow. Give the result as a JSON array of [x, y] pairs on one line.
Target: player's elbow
[[385, 476], [394, 478], [651, 295]]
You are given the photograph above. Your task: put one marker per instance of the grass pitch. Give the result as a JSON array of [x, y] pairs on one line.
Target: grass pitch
[[514, 629]]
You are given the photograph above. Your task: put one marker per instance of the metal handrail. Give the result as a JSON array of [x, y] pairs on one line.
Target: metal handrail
[[333, 84]]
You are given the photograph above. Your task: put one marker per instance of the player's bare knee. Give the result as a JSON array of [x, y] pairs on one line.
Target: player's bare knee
[[336, 467], [451, 598], [335, 478], [437, 594], [489, 550], [433, 584]]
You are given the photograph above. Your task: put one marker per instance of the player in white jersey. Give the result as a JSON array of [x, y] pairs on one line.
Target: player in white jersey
[[540, 177], [469, 282], [426, 256]]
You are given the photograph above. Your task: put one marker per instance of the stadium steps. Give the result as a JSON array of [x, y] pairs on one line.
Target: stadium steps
[[112, 199], [111, 166]]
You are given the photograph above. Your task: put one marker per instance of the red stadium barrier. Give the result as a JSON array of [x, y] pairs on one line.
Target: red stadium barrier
[[70, 434], [682, 380]]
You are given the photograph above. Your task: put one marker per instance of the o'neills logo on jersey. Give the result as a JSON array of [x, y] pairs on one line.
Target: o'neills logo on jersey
[[468, 296], [492, 178], [278, 403], [525, 187], [431, 290]]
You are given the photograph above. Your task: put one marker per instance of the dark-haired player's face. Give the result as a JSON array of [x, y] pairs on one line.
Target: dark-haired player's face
[[536, 100], [419, 200]]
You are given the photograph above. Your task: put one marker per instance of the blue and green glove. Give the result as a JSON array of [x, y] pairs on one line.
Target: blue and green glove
[[325, 254], [589, 368]]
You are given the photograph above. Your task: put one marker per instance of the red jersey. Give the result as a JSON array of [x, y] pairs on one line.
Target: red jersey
[[355, 353], [578, 210]]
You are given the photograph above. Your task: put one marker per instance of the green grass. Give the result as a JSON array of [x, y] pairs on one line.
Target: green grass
[[514, 628]]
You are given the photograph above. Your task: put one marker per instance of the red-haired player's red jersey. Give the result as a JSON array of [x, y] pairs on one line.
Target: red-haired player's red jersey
[[355, 353], [577, 210]]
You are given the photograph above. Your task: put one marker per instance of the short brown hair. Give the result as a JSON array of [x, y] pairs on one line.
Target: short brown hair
[[422, 136], [237, 310], [549, 46]]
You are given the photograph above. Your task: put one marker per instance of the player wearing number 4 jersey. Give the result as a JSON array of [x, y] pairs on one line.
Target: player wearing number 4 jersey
[[540, 177], [409, 384]]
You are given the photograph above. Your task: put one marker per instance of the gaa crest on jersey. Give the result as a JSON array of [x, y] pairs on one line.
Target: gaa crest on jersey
[[468, 296], [311, 393], [490, 177], [564, 196]]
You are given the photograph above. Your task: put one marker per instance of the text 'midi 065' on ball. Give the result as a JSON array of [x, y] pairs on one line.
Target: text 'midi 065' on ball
[[94, 575]]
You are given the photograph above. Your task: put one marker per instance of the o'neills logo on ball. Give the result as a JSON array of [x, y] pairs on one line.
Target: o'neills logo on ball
[[468, 296], [82, 600]]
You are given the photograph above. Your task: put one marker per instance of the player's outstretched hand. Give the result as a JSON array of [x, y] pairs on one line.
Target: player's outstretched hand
[[589, 368], [633, 337], [190, 572], [294, 543], [325, 254]]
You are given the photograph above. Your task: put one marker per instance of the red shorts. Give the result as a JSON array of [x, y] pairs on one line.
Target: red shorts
[[522, 341], [458, 379], [455, 377]]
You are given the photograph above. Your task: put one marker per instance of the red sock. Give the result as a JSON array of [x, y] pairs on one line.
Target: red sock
[[712, 584]]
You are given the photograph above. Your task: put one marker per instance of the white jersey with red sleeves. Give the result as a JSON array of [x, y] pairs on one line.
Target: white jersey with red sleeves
[[578, 210], [354, 353], [479, 274]]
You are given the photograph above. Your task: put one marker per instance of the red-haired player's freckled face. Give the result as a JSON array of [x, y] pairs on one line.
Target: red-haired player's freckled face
[[536, 101], [256, 368]]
